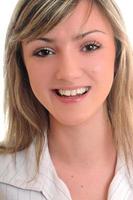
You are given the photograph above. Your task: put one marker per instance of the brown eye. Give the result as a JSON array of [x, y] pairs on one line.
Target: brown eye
[[91, 47], [43, 52]]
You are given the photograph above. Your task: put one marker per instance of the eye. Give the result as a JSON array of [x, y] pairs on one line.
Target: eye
[[43, 52], [91, 46]]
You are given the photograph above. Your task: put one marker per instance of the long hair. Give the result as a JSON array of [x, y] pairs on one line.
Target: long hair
[[27, 118]]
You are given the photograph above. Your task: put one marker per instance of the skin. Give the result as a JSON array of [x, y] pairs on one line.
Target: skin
[[81, 129]]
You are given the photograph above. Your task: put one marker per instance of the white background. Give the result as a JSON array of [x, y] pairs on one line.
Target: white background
[[6, 10]]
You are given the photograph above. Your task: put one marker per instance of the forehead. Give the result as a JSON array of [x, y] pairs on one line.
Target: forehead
[[83, 17]]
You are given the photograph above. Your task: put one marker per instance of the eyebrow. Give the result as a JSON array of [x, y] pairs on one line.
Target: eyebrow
[[77, 37]]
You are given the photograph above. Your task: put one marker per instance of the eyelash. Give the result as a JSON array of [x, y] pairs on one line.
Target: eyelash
[[90, 47]]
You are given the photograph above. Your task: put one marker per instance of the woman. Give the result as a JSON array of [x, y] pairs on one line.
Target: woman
[[69, 84]]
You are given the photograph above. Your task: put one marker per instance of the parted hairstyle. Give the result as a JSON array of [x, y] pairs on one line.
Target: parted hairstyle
[[27, 119]]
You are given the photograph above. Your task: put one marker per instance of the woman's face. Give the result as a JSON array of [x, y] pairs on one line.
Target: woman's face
[[71, 68]]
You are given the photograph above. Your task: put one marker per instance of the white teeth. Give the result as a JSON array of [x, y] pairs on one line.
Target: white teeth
[[73, 92]]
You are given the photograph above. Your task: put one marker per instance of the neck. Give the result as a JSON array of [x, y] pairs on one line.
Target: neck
[[88, 144]]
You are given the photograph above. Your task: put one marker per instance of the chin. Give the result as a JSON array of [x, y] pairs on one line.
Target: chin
[[73, 120]]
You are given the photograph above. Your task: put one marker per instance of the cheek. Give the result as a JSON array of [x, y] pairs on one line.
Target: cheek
[[39, 77], [102, 66], [101, 71], [38, 72], [102, 76]]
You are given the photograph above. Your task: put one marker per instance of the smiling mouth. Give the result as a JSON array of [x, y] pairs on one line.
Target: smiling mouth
[[72, 93]]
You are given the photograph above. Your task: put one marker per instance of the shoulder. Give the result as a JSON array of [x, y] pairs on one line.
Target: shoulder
[[14, 168], [124, 170], [16, 172], [17, 177]]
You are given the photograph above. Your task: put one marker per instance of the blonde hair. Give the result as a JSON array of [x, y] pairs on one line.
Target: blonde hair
[[27, 118]]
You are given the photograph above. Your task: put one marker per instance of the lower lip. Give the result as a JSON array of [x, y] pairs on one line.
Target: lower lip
[[71, 99]]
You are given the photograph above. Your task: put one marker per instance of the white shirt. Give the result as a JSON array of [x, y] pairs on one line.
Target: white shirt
[[16, 184]]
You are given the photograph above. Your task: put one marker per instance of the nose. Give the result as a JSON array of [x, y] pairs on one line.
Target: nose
[[68, 67]]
